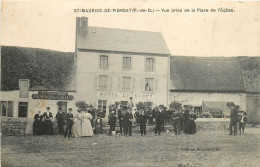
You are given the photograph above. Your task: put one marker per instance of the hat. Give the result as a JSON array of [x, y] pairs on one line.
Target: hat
[[70, 109], [130, 98], [48, 108], [79, 110]]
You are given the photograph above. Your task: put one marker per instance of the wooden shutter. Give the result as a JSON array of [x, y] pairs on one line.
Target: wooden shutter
[[155, 85], [96, 83], [119, 83], [110, 82], [24, 88], [142, 84], [133, 83]]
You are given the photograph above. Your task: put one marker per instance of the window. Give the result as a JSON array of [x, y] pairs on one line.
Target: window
[[7, 108], [103, 61], [124, 104], [102, 105], [24, 88], [103, 82], [149, 84], [126, 83], [23, 107], [127, 63], [149, 64]]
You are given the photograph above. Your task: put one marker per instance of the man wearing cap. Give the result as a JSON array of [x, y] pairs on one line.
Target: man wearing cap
[[47, 116], [69, 123], [130, 104], [233, 120], [60, 116]]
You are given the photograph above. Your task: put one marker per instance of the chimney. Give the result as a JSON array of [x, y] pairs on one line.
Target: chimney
[[84, 26]]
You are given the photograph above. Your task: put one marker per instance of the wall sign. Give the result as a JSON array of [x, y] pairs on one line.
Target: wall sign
[[52, 96], [125, 95]]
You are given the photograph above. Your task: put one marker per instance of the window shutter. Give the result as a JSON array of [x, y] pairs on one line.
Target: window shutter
[[142, 84], [119, 83], [96, 83], [156, 85], [133, 83], [111, 82]]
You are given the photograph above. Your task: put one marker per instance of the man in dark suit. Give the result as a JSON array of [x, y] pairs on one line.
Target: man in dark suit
[[143, 119], [128, 118], [91, 110], [159, 118], [112, 122], [69, 123], [47, 117], [233, 120], [176, 122], [60, 117], [120, 118], [185, 116]]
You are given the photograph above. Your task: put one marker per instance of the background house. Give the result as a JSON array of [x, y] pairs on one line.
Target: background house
[[213, 82]]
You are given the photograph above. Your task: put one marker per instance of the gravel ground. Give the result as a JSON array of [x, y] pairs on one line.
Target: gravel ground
[[206, 148]]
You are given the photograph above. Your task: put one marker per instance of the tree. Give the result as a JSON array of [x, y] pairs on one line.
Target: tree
[[175, 105]]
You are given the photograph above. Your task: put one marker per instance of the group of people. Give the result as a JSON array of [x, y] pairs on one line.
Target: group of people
[[182, 120], [77, 126], [237, 118]]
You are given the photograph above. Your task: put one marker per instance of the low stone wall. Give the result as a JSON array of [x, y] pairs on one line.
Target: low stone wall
[[212, 124], [13, 126], [17, 126]]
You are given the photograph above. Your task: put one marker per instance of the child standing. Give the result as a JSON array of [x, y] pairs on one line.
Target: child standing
[[242, 123]]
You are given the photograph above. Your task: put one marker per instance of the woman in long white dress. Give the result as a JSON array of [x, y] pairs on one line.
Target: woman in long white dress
[[77, 127], [86, 125]]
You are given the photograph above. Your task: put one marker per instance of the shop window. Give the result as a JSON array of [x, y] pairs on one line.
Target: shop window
[[102, 105], [103, 61], [149, 84], [103, 82], [23, 108], [7, 108], [124, 104], [126, 83], [127, 63], [24, 88], [149, 64]]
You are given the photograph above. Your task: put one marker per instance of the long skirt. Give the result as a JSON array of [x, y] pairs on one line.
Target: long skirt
[[77, 128], [190, 127], [87, 128], [48, 129], [37, 127]]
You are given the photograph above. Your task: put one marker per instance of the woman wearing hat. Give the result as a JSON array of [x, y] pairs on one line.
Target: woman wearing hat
[[77, 127], [47, 116], [86, 124]]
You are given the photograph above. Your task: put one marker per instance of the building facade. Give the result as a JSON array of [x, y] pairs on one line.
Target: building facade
[[114, 65]]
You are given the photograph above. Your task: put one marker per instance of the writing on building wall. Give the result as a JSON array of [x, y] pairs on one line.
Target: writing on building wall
[[52, 95], [125, 95]]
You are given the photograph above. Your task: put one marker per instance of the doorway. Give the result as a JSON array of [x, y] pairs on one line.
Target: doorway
[[62, 106]]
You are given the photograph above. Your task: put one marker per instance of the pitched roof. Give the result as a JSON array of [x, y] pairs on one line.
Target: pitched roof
[[251, 73], [46, 69], [217, 74], [110, 39]]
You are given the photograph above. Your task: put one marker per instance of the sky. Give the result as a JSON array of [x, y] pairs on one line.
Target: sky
[[51, 25]]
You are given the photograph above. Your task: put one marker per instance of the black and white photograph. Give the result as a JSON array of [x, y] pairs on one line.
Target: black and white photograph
[[130, 83]]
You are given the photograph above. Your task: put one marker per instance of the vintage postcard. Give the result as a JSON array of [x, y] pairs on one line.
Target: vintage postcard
[[130, 83]]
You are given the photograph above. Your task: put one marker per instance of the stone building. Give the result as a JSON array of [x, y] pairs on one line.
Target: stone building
[[116, 64]]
